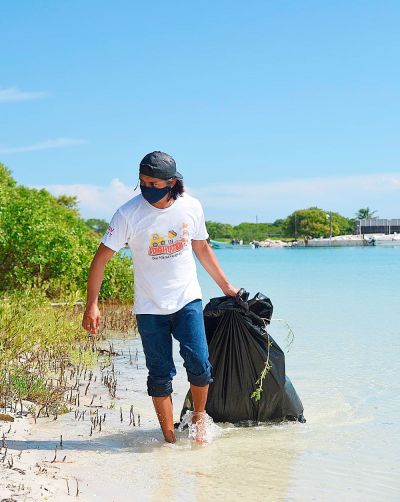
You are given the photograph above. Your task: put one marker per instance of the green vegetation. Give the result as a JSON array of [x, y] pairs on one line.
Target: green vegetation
[[315, 222], [45, 253], [256, 394], [245, 231], [37, 342], [42, 345], [365, 214], [44, 243], [312, 222]]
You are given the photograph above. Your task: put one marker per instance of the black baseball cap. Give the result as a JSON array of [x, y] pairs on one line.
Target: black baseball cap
[[159, 165]]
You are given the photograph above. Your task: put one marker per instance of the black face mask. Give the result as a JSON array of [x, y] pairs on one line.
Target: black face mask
[[152, 194]]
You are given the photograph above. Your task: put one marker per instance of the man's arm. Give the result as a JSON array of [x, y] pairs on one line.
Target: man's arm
[[91, 317], [207, 258]]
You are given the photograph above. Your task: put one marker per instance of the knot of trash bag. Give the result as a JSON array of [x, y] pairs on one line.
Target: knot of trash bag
[[241, 299], [259, 308]]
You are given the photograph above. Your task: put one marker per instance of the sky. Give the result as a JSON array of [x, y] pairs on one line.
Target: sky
[[267, 106]]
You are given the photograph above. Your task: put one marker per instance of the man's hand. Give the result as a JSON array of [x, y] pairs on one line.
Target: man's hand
[[91, 319], [230, 290]]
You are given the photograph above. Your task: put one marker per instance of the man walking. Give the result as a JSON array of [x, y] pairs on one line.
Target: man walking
[[162, 226]]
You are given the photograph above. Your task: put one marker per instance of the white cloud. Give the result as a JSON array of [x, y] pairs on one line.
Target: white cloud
[[276, 199], [96, 201], [234, 203], [43, 145], [12, 94]]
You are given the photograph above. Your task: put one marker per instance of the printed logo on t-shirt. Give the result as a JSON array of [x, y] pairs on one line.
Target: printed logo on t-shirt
[[171, 244], [109, 231]]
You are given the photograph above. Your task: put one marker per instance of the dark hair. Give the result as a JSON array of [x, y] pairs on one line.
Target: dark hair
[[177, 190]]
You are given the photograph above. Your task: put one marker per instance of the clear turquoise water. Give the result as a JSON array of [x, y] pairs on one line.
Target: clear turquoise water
[[357, 287]]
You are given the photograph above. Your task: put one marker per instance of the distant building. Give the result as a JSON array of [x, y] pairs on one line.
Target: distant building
[[377, 226]]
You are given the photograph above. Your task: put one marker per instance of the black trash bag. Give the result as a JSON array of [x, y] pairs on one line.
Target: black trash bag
[[236, 330]]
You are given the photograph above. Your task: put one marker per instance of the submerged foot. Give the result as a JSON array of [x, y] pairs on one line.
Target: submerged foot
[[199, 420], [169, 436]]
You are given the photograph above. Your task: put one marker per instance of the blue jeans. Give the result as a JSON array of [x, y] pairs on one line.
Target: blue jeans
[[186, 326]]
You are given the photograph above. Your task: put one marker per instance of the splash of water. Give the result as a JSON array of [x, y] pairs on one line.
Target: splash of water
[[210, 430]]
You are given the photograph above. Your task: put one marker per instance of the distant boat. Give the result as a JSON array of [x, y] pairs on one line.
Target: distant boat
[[220, 245], [227, 245]]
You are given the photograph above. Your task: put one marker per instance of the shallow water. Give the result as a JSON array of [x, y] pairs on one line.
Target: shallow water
[[343, 307]]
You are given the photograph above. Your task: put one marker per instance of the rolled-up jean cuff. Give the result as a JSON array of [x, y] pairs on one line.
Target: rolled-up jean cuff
[[159, 389], [200, 380]]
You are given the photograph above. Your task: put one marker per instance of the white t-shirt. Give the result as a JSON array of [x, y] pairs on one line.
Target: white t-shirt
[[160, 241]]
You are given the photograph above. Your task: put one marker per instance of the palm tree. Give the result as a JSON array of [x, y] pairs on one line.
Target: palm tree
[[365, 214]]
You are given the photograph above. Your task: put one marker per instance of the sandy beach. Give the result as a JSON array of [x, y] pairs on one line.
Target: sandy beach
[[29, 474]]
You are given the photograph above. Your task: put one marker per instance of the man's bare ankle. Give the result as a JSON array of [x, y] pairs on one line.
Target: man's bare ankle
[[198, 415]]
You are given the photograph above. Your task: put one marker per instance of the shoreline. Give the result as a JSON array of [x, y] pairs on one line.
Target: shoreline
[[335, 241]]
